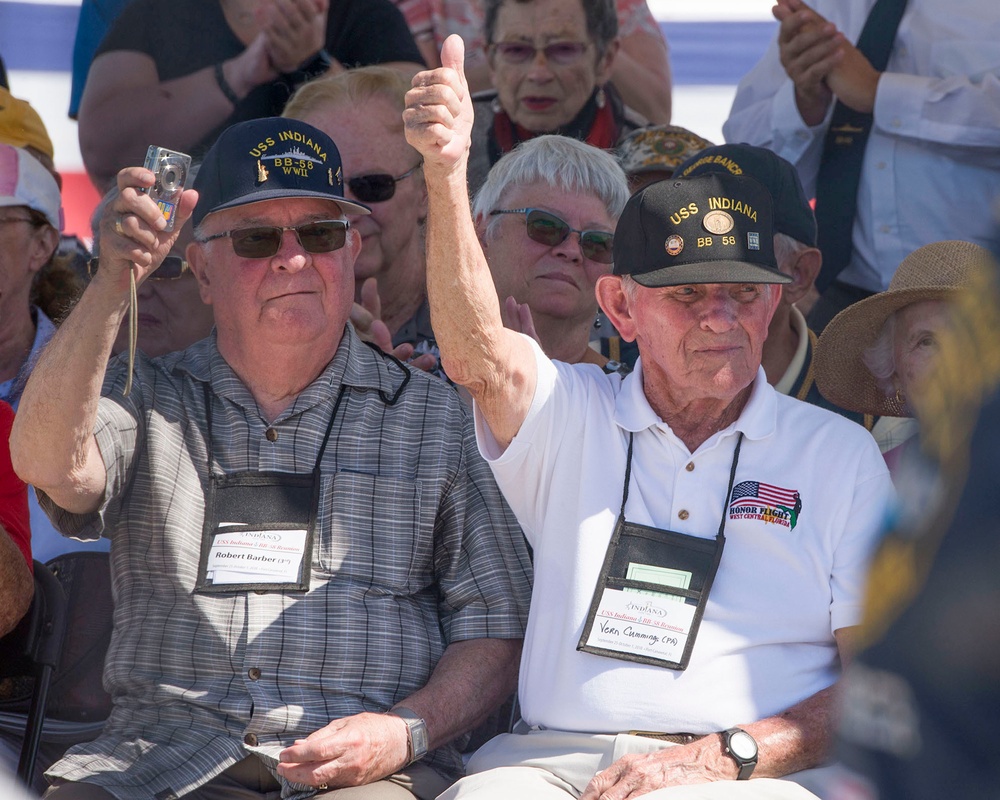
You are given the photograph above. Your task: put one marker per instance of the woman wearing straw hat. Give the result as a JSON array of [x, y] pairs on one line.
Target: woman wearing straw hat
[[873, 355]]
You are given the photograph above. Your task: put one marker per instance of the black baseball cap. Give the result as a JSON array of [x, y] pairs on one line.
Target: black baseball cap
[[792, 213], [270, 159], [713, 228]]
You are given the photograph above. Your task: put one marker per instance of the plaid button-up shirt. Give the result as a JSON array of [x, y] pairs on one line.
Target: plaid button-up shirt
[[415, 548]]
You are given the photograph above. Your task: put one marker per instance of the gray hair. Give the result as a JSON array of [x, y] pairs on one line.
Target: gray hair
[[787, 248], [880, 358], [560, 162], [602, 20]]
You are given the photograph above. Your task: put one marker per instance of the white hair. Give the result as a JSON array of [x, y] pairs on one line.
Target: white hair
[[562, 163], [880, 358]]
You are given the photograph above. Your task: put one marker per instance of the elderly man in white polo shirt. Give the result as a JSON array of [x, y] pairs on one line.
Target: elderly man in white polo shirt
[[691, 615]]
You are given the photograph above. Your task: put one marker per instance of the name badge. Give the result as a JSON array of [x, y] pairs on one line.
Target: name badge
[[641, 622], [255, 556]]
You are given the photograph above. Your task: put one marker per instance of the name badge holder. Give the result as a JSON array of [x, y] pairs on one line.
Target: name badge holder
[[259, 526], [653, 588]]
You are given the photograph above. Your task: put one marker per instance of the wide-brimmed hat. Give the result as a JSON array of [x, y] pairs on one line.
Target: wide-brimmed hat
[[271, 158], [933, 272]]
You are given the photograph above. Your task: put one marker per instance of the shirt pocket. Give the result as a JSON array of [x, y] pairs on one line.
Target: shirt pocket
[[374, 531]]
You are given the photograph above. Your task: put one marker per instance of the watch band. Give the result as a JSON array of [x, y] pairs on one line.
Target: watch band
[[742, 748], [416, 733]]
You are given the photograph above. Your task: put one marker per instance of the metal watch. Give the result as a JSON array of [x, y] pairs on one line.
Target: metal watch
[[742, 748], [416, 733]]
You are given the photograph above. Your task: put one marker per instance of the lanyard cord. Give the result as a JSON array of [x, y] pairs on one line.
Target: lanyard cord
[[729, 491]]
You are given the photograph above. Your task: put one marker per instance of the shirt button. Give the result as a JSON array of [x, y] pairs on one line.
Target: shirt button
[[253, 673], [885, 228], [690, 466], [683, 514], [250, 739], [271, 434], [881, 165]]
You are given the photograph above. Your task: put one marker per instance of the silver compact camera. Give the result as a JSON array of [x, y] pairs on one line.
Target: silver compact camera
[[171, 170]]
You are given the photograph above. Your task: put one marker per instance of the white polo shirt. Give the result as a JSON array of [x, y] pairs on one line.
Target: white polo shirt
[[766, 640]]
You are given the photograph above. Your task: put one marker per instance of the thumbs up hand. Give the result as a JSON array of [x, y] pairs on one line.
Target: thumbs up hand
[[438, 116]]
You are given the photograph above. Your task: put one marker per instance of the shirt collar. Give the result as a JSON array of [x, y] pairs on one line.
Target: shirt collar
[[787, 382], [633, 413], [354, 364]]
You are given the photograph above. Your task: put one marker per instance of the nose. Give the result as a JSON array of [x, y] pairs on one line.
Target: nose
[[570, 248], [719, 311], [539, 69], [291, 255]]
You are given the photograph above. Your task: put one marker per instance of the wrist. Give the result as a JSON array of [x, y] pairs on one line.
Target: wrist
[[416, 733]]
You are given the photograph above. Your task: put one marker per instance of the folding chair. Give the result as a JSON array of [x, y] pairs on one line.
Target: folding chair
[[33, 648]]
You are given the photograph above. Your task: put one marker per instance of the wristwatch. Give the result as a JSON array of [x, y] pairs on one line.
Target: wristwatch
[[742, 748], [416, 733]]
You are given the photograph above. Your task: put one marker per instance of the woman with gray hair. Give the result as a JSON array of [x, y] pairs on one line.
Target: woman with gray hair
[[546, 217], [874, 356]]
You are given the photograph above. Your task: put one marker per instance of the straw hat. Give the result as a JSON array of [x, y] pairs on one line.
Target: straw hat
[[933, 272]]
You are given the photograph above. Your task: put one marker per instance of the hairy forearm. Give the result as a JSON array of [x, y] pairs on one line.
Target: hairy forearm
[[16, 584], [52, 442], [471, 680]]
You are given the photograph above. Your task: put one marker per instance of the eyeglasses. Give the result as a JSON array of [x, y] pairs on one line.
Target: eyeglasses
[[172, 268], [563, 53], [379, 186], [548, 229], [324, 236]]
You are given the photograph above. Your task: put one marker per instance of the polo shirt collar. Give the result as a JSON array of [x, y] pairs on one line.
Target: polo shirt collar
[[633, 413]]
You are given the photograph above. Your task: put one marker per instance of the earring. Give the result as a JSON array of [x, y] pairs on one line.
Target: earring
[[495, 106], [601, 99], [597, 320], [900, 397]]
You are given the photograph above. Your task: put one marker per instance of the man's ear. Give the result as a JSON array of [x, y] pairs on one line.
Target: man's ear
[[615, 303], [44, 243], [803, 272], [195, 256]]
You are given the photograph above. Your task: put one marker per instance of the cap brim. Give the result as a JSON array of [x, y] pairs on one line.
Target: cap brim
[[710, 272], [287, 194]]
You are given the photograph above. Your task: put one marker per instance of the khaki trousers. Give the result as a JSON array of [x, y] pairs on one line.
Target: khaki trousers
[[555, 765], [249, 779]]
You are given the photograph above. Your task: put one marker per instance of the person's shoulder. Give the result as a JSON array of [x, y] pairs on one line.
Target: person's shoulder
[[800, 420]]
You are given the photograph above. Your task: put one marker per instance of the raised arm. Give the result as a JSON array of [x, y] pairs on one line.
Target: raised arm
[[52, 444], [495, 364]]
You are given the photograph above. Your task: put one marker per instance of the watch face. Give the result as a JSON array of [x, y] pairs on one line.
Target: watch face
[[742, 745]]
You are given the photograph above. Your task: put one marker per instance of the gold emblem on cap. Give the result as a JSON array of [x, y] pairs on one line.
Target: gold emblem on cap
[[673, 245], [718, 222], [261, 172]]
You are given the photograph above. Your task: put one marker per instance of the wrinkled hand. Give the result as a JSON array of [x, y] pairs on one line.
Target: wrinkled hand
[[366, 317], [635, 775], [810, 48], [353, 751], [132, 229], [251, 68], [295, 31], [438, 116], [517, 317]]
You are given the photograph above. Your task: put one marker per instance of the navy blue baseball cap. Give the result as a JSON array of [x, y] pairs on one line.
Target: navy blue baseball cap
[[792, 213], [714, 228], [270, 159]]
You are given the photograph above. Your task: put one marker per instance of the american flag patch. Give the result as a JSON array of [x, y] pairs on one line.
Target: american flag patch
[[766, 502]]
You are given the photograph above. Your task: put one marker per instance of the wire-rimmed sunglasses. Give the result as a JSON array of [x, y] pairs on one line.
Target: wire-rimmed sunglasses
[[263, 241], [172, 269], [546, 228], [563, 53], [377, 187]]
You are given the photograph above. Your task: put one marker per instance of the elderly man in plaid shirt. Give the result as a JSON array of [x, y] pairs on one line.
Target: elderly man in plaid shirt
[[318, 586]]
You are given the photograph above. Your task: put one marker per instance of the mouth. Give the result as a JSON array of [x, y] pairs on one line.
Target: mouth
[[558, 277], [538, 104]]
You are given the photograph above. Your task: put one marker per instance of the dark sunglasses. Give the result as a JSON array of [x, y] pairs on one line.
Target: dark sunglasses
[[558, 52], [172, 268], [379, 186], [264, 241], [548, 229]]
